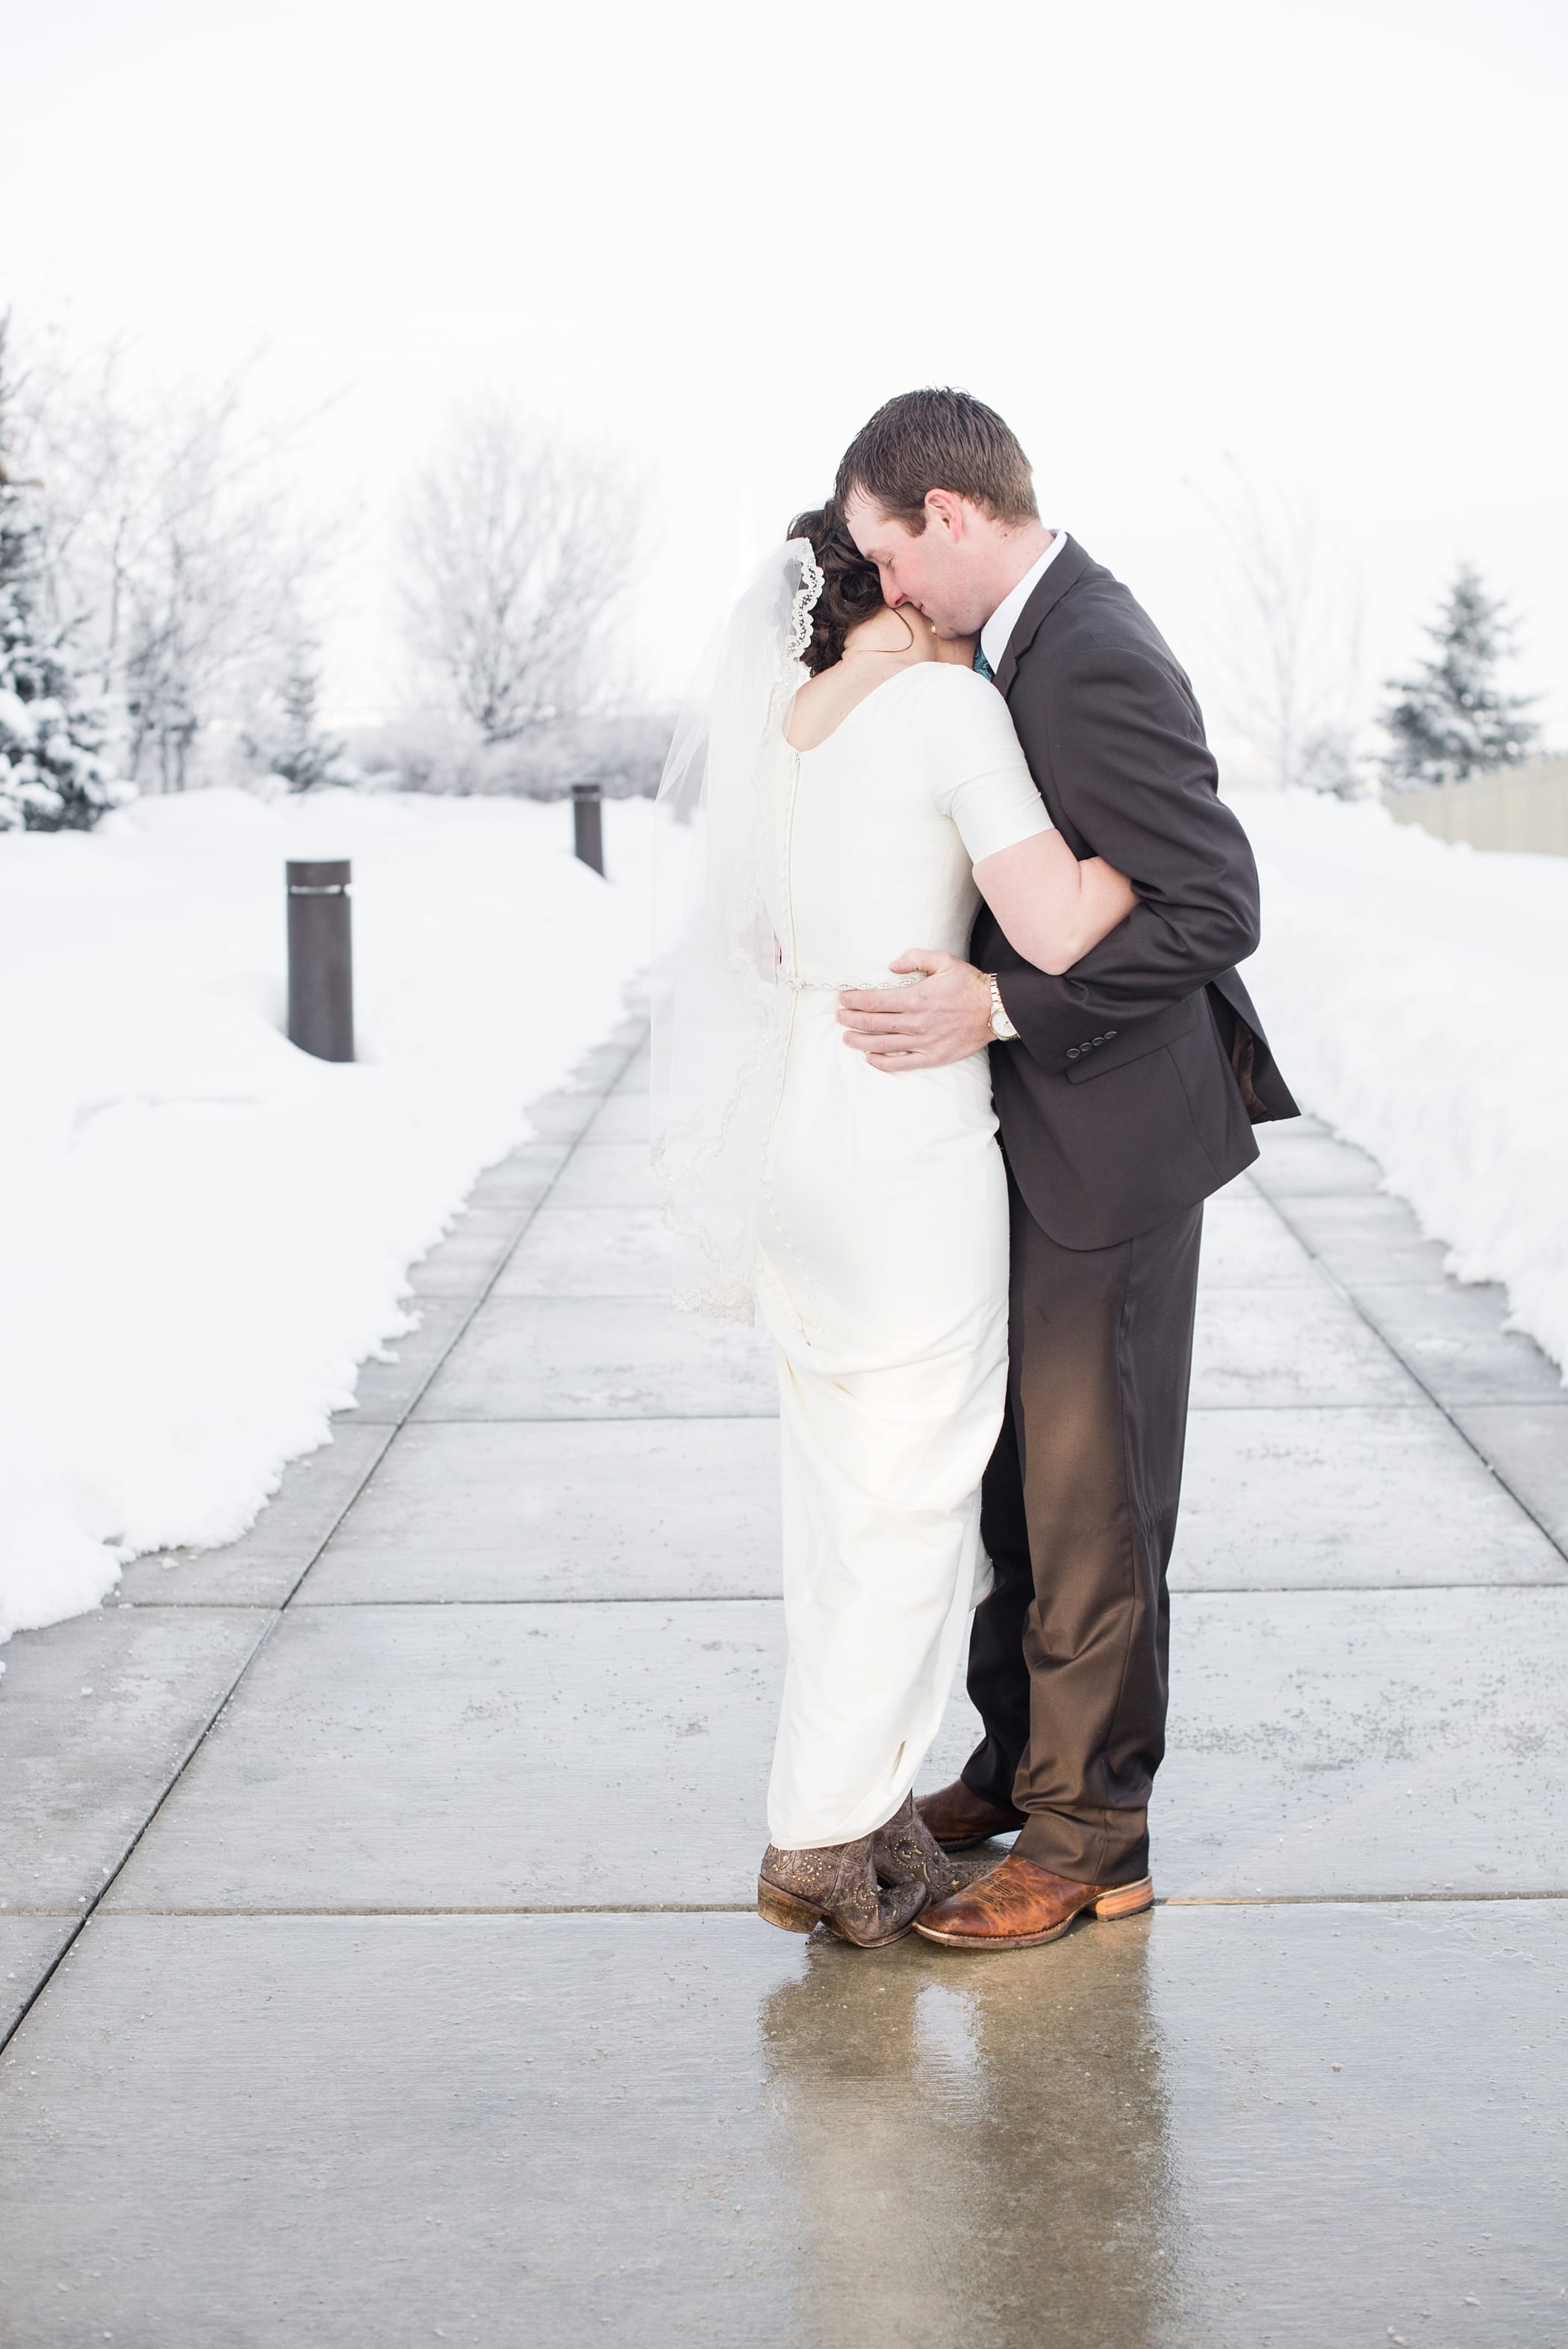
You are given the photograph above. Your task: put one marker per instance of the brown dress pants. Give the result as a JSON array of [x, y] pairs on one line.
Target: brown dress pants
[[1069, 1656]]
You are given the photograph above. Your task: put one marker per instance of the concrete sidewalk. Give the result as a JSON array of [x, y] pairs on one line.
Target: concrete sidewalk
[[402, 1858]]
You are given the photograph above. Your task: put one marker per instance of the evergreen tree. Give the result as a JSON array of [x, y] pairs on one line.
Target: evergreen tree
[[295, 746], [1451, 721], [52, 777]]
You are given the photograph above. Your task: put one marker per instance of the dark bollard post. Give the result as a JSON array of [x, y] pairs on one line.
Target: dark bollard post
[[321, 961], [588, 823]]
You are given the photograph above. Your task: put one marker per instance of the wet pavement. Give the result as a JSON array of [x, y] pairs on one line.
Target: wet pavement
[[376, 1892]]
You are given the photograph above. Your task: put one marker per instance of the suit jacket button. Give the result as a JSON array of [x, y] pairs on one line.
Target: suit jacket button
[[1098, 1041], [1072, 1052], [1108, 1034]]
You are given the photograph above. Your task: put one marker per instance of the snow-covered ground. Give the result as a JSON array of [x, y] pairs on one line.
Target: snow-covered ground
[[1418, 995], [202, 1231]]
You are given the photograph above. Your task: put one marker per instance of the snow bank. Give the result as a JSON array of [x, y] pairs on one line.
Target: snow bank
[[204, 1231], [1415, 992]]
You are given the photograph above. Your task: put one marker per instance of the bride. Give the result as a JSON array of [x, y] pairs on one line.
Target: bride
[[843, 783]]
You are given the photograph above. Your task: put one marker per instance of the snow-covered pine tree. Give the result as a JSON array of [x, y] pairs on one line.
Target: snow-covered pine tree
[[1451, 721], [294, 746], [53, 776]]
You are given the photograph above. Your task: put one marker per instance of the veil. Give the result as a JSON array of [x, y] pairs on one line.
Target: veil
[[716, 1022]]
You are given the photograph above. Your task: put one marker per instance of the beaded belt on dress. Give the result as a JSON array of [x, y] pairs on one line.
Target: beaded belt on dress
[[849, 986]]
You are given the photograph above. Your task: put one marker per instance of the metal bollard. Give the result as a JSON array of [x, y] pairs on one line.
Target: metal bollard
[[588, 823], [321, 961]]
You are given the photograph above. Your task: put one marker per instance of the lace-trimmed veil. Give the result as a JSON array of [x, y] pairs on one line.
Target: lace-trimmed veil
[[716, 994]]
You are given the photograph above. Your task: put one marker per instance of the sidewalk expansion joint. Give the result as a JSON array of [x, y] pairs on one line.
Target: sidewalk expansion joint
[[609, 1599], [748, 1908], [775, 1598], [476, 1908], [1344, 1899]]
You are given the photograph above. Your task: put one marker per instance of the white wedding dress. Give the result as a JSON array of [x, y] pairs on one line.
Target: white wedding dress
[[882, 1238]]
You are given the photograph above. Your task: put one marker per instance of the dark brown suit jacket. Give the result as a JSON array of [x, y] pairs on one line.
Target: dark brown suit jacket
[[1123, 1102]]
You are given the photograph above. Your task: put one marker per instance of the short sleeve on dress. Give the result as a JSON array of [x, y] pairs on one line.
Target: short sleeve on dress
[[983, 782], [996, 812]]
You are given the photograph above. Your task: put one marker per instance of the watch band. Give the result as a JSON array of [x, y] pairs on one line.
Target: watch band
[[1002, 1027]]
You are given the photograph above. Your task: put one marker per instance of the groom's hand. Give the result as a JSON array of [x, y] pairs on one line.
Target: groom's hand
[[945, 1017]]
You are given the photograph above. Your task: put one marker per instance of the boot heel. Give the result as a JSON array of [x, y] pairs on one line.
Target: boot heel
[[782, 1909], [1126, 1900]]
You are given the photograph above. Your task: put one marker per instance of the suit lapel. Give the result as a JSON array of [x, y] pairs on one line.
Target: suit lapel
[[1068, 569]]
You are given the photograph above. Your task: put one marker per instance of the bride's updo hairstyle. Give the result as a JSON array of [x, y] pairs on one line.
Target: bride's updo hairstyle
[[851, 591]]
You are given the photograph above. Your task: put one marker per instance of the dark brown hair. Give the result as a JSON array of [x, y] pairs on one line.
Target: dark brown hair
[[938, 439], [851, 589]]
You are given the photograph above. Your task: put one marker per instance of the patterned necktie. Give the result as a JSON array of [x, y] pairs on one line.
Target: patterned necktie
[[981, 663]]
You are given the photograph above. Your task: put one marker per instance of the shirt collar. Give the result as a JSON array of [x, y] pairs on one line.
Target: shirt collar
[[997, 630]]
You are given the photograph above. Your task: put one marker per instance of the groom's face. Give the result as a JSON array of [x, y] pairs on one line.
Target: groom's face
[[934, 569]]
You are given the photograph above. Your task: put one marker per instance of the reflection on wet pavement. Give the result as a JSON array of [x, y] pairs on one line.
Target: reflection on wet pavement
[[1205, 2128], [1296, 2125], [972, 2144]]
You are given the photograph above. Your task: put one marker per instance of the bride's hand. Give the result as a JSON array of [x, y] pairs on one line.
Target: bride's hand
[[945, 1017]]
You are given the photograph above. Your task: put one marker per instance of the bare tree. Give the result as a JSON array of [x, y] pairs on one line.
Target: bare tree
[[1290, 655], [164, 524], [93, 445], [518, 546], [211, 598]]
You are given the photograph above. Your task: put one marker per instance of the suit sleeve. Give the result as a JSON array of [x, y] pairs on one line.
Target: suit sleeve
[[1136, 782]]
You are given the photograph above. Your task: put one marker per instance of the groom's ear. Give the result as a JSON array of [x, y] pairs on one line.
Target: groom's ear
[[946, 511]]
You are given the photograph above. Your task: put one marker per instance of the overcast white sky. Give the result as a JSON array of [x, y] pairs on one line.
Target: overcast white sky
[[1328, 239]]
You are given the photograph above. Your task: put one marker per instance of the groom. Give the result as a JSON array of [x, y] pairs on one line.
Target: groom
[[1126, 1092]]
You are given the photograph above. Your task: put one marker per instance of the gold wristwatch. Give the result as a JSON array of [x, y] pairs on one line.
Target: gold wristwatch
[[1002, 1027]]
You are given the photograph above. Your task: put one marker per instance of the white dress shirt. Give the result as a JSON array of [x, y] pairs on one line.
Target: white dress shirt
[[999, 627]]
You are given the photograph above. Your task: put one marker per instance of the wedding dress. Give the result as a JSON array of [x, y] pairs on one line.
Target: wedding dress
[[882, 1242], [867, 1212]]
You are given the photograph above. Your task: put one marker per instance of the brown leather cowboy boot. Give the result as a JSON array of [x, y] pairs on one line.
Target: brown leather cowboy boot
[[1019, 1905], [906, 1852], [959, 1818], [837, 1886]]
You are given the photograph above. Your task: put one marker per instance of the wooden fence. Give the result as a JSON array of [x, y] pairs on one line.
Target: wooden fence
[[1523, 807]]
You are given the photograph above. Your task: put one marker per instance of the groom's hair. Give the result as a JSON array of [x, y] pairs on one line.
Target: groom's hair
[[938, 439]]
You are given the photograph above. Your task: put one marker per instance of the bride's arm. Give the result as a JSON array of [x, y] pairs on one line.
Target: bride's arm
[[1051, 907]]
